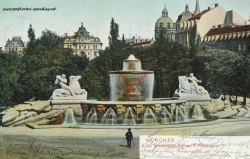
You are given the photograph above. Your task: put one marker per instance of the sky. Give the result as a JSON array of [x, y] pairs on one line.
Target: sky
[[135, 17]]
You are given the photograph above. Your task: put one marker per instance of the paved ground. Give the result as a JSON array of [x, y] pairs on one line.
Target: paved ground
[[102, 142]]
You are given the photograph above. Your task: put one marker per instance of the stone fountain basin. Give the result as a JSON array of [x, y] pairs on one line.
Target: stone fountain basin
[[148, 102]]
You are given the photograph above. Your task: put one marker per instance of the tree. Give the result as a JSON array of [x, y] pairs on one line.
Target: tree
[[241, 75], [171, 61], [32, 37], [194, 47], [217, 69], [114, 34], [10, 73], [43, 62]]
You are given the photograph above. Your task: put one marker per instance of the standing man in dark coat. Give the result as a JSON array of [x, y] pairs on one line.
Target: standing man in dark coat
[[129, 137]]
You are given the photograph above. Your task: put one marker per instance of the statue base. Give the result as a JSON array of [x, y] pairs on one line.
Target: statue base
[[76, 97], [62, 94], [192, 96], [192, 99]]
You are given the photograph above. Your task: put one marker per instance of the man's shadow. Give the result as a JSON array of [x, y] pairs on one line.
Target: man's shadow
[[123, 145]]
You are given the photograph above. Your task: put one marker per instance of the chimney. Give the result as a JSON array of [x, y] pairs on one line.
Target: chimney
[[219, 26], [216, 5], [209, 8]]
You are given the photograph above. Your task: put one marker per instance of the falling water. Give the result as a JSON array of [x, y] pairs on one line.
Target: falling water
[[143, 83], [69, 117], [117, 85], [109, 117], [148, 85], [197, 112], [149, 116], [165, 116], [129, 117], [91, 116], [179, 115]]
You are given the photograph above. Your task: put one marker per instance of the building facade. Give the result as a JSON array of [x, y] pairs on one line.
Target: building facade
[[204, 21], [136, 40], [82, 43], [143, 44], [15, 44], [233, 38]]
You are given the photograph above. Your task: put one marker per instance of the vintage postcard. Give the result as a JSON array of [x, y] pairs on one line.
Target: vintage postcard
[[116, 79]]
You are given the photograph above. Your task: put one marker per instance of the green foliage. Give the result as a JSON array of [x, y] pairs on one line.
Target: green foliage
[[114, 34], [43, 62], [225, 72], [194, 47], [32, 37], [240, 77], [10, 72], [171, 61]]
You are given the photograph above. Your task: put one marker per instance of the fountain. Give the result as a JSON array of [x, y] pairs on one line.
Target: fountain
[[197, 112], [179, 114], [91, 116], [131, 99], [165, 116], [149, 116], [129, 118], [132, 83], [109, 117], [69, 117]]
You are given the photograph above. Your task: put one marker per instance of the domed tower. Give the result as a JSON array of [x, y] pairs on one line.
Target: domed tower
[[165, 23]]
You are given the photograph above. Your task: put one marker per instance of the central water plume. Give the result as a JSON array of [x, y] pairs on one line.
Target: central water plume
[[132, 83]]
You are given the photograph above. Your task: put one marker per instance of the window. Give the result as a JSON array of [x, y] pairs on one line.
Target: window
[[235, 48], [239, 47], [161, 25], [84, 46], [79, 46], [95, 53]]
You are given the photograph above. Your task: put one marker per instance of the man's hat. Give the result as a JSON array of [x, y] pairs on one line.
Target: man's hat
[[63, 75], [129, 129]]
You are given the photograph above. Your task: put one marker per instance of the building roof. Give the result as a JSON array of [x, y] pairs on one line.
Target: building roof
[[164, 19], [82, 32], [185, 15], [198, 16], [15, 39], [228, 29], [143, 43]]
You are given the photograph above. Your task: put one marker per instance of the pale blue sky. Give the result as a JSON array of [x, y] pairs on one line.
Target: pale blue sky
[[135, 17]]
